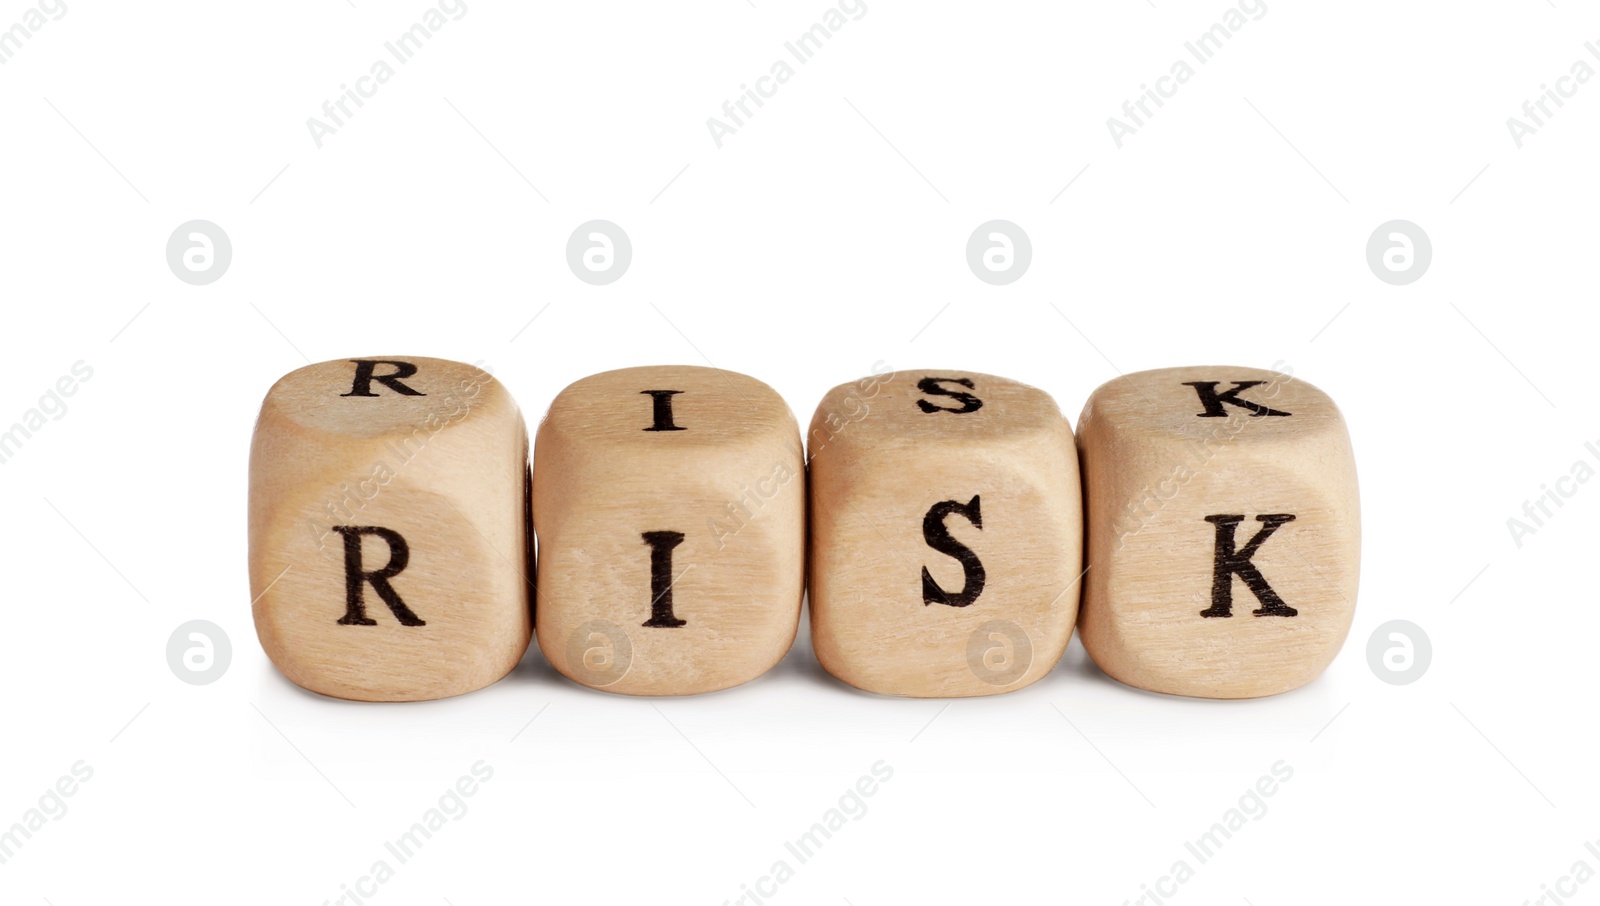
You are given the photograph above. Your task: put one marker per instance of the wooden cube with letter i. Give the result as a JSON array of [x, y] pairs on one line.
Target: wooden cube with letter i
[[1223, 531], [669, 504], [946, 533], [389, 556]]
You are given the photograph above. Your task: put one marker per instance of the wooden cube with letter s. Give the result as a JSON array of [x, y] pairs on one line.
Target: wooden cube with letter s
[[669, 505], [946, 533], [1223, 531], [389, 557]]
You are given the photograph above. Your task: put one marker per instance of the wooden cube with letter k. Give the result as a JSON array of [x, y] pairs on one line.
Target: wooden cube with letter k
[[1223, 531]]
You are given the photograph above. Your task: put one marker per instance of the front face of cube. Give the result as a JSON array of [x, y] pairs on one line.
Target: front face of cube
[[387, 539], [669, 504], [946, 534], [1223, 538]]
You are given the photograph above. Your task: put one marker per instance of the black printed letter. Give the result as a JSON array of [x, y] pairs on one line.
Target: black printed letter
[[1212, 400], [663, 410], [355, 612], [938, 538], [661, 545], [364, 378], [930, 385], [1227, 561]]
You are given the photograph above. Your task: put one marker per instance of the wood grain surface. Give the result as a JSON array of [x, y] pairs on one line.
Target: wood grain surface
[[980, 465], [713, 474]]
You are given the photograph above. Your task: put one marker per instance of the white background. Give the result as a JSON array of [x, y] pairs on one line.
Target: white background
[[824, 236]]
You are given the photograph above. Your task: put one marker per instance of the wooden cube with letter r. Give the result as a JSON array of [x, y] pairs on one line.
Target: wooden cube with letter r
[[946, 533], [389, 554], [1223, 530], [669, 504]]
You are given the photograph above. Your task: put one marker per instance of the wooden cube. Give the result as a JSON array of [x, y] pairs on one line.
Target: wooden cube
[[669, 504], [1223, 531], [389, 554], [946, 533]]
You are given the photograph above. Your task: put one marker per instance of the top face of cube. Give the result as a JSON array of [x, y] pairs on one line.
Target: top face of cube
[[383, 395], [659, 407], [931, 407], [1211, 403]]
